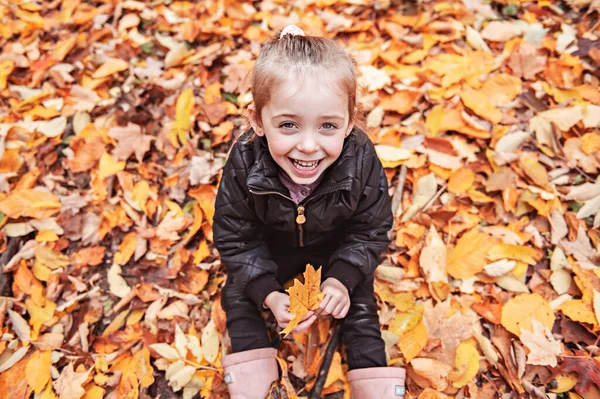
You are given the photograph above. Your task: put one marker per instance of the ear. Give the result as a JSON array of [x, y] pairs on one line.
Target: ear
[[350, 127], [255, 122]]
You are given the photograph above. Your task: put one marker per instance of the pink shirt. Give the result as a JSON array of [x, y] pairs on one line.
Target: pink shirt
[[298, 191]]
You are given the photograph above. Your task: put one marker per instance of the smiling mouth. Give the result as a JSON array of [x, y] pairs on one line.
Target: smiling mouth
[[305, 165]]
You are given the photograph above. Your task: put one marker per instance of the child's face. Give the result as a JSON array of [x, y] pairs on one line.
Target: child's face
[[305, 123]]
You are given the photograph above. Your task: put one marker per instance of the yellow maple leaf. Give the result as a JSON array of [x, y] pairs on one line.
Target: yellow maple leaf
[[304, 297]]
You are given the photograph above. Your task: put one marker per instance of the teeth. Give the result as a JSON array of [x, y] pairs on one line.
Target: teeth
[[305, 165]]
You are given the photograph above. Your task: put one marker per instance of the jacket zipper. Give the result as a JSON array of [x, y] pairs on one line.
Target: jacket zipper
[[300, 217], [300, 209]]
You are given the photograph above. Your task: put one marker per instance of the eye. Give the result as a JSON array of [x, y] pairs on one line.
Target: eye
[[287, 125], [329, 126]]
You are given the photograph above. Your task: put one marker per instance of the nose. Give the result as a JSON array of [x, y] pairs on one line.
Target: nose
[[308, 143]]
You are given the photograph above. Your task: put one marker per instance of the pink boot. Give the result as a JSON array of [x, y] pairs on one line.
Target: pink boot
[[377, 382], [249, 374]]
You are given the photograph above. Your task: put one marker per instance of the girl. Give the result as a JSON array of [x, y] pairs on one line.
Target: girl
[[304, 185]]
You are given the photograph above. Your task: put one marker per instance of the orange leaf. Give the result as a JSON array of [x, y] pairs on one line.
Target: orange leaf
[[110, 67], [413, 341], [468, 257], [479, 103], [32, 203], [37, 371], [461, 180], [304, 297], [126, 249]]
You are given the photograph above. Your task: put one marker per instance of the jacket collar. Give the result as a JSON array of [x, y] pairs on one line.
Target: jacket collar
[[263, 175]]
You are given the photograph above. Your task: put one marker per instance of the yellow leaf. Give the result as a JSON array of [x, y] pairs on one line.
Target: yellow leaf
[[202, 252], [468, 257], [535, 171], [518, 313], [390, 156], [210, 342], [413, 342], [521, 253], [110, 67], [93, 392], [304, 297], [110, 167], [126, 248], [142, 367], [37, 371], [478, 197], [577, 310], [590, 143], [466, 365], [140, 193], [183, 111], [45, 235], [49, 258], [434, 120], [406, 321], [336, 372], [461, 180], [565, 382], [212, 94], [40, 315], [6, 68], [479, 103], [116, 323], [32, 203]]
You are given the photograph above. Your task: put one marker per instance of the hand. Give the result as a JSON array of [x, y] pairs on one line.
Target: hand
[[337, 300], [279, 304]]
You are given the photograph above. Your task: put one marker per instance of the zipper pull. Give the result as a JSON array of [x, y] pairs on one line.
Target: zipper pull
[[300, 219]]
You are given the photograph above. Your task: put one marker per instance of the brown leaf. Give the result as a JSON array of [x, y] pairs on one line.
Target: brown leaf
[[527, 61], [586, 367], [130, 140]]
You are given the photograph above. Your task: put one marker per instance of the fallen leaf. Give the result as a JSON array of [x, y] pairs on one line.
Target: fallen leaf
[[519, 312], [110, 67], [130, 140], [543, 348], [468, 257], [69, 384], [32, 203], [466, 365]]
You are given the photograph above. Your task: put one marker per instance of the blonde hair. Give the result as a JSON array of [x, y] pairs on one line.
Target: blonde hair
[[287, 54]]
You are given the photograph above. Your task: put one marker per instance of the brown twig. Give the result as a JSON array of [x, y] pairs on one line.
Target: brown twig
[[324, 370]]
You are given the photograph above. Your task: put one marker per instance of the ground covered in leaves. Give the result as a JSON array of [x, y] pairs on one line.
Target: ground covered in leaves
[[116, 118]]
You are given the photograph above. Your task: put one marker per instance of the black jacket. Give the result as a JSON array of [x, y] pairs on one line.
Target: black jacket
[[349, 212]]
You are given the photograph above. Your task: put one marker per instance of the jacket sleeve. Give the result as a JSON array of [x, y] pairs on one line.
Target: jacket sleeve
[[238, 235], [366, 236]]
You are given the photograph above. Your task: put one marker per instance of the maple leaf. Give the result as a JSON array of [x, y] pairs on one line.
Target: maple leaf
[[587, 368], [130, 140], [304, 297], [543, 348], [68, 384], [526, 62]]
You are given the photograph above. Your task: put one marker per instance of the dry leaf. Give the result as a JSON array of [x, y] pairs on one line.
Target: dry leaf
[[519, 312], [543, 348], [32, 203], [468, 257], [69, 383]]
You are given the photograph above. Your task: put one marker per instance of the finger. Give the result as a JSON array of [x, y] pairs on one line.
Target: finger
[[307, 315], [324, 303], [338, 310], [331, 305], [304, 325], [345, 311]]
